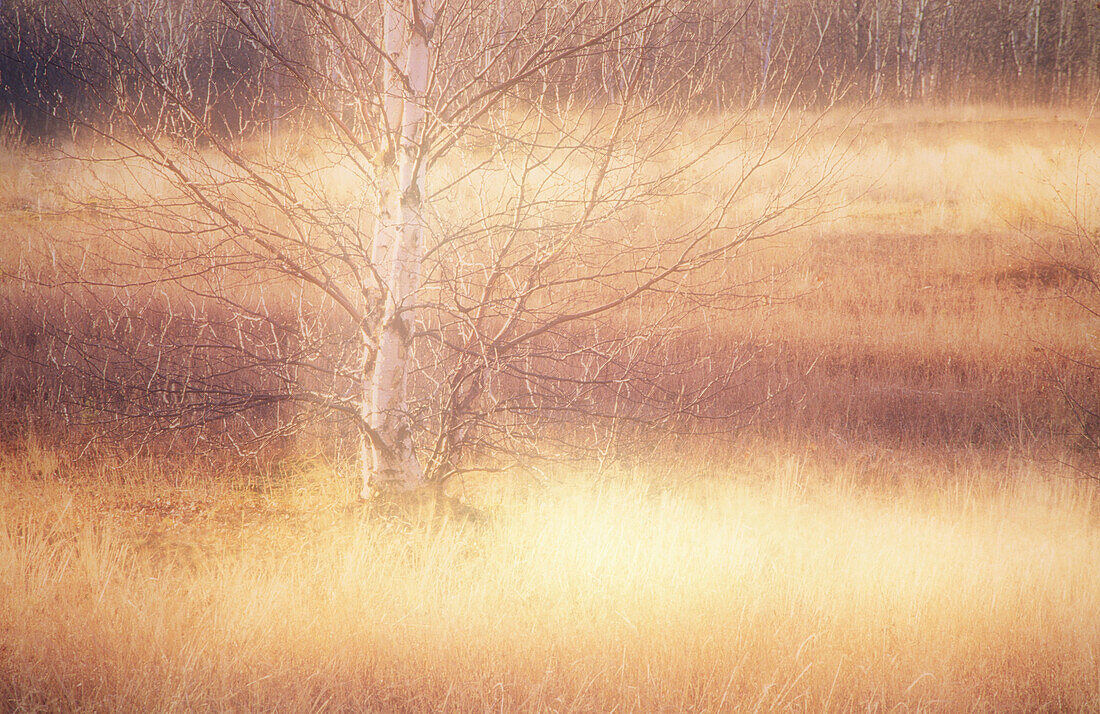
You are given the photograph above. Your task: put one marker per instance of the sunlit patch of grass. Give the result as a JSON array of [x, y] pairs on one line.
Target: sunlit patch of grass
[[773, 581]]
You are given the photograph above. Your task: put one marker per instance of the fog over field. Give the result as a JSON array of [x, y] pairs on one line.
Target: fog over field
[[400, 355]]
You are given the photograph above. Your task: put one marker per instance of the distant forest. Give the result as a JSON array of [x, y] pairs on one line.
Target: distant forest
[[65, 61]]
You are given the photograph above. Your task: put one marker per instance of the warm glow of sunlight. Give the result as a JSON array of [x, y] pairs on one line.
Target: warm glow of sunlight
[[783, 587]]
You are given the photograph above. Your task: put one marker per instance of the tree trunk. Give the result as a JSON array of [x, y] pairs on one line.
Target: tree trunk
[[916, 87], [766, 50], [389, 457], [879, 60]]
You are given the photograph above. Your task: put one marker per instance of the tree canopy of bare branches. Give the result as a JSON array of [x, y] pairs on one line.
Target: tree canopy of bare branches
[[438, 227]]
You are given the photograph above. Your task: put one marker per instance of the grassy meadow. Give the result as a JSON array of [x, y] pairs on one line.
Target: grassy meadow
[[908, 525]]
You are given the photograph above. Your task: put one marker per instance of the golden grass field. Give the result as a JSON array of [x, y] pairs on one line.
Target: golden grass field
[[776, 581], [909, 528]]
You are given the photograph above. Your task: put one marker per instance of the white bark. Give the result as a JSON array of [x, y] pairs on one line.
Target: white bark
[[767, 51], [389, 459]]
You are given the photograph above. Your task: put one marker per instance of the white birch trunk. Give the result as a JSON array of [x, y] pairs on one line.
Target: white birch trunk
[[389, 459], [767, 52]]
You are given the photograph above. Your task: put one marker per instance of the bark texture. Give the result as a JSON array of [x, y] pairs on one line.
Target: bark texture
[[389, 457]]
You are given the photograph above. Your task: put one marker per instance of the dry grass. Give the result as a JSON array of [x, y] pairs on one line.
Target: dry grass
[[897, 535], [928, 307], [780, 582], [925, 308]]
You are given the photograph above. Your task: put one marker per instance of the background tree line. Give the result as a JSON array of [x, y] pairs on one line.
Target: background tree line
[[720, 54]]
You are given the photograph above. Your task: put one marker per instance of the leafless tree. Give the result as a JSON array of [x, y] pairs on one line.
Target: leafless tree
[[1072, 264], [440, 227]]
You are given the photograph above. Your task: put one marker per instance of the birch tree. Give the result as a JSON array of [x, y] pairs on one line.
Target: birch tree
[[455, 245], [397, 248]]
